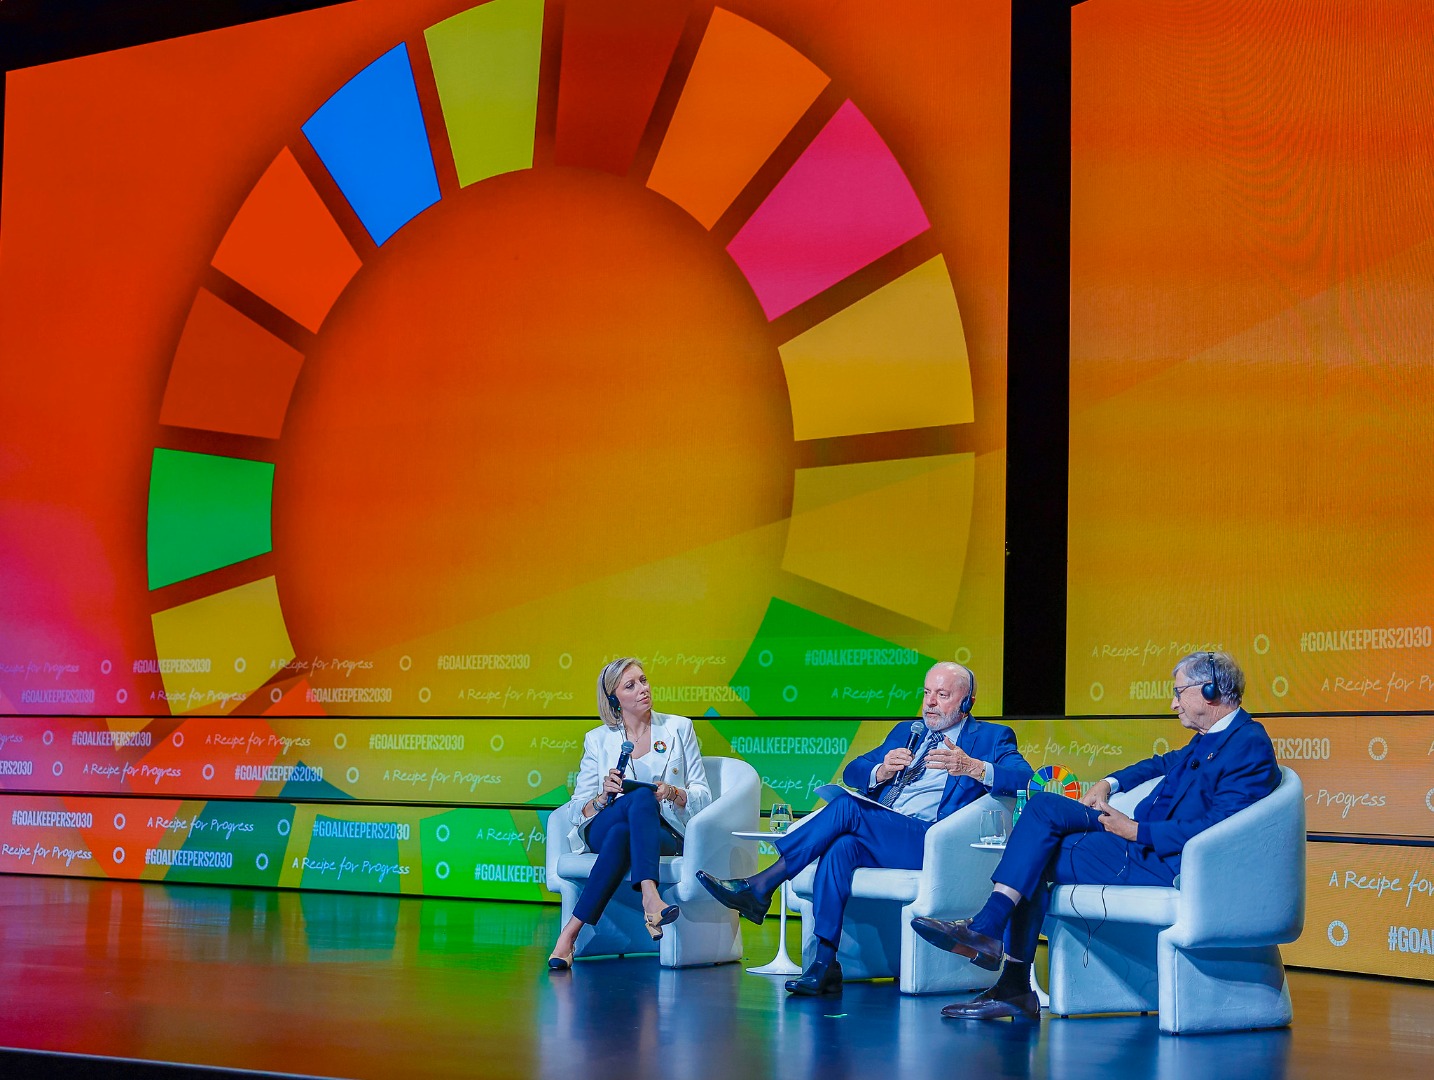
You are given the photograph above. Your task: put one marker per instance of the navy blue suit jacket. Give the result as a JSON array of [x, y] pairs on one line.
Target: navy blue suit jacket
[[995, 743], [1214, 776]]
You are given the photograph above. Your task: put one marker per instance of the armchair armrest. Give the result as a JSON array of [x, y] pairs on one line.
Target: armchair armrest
[[557, 844], [954, 876], [709, 844], [1261, 848]]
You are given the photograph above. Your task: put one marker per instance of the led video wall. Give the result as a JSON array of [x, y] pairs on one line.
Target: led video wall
[[415, 358], [1252, 312], [368, 805]]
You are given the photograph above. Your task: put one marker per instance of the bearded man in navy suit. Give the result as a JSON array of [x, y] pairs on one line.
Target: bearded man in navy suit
[[955, 761], [1228, 764]]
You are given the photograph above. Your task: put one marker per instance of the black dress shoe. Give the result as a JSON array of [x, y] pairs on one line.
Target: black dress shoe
[[994, 1006], [737, 894], [957, 936], [821, 978]]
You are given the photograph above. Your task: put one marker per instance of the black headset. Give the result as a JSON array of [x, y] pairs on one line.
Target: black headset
[[1210, 691], [970, 698], [612, 701]]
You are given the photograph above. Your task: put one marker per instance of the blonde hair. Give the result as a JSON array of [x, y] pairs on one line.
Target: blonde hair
[[607, 685]]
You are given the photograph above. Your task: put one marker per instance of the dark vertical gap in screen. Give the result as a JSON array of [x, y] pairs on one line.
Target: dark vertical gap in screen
[[1038, 359]]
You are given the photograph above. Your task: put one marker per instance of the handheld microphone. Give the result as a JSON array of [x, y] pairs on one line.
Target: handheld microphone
[[627, 749], [918, 732]]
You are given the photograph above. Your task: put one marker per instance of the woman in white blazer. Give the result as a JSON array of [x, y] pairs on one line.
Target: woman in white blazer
[[630, 831]]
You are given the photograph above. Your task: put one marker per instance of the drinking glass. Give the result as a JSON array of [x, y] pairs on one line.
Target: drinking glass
[[780, 818], [993, 826]]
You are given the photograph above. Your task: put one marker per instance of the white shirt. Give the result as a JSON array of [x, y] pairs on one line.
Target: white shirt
[[648, 768], [921, 799]]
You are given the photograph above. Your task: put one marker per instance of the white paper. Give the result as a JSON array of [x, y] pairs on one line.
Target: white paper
[[831, 791]]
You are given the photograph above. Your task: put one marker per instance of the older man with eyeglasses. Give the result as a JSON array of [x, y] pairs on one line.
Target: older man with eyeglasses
[[917, 776], [1227, 765]]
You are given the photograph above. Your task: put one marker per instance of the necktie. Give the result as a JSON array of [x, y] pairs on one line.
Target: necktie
[[915, 771]]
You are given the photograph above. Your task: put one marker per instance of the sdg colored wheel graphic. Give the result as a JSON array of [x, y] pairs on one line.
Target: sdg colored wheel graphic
[[790, 186], [1056, 779]]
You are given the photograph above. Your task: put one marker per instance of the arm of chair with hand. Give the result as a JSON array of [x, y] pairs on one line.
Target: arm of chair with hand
[[709, 844]]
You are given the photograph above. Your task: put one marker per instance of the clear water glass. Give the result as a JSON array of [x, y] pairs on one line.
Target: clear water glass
[[993, 826], [780, 818]]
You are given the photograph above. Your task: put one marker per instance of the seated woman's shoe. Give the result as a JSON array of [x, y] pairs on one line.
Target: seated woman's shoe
[[656, 920], [560, 962]]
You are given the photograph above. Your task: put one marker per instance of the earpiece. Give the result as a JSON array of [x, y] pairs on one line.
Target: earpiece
[[1210, 691], [613, 702], [970, 698]]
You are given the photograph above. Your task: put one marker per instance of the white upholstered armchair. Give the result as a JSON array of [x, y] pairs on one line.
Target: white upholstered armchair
[[877, 941], [1205, 951], [705, 932]]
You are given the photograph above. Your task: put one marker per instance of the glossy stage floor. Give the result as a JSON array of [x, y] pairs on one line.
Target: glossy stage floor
[[322, 984]]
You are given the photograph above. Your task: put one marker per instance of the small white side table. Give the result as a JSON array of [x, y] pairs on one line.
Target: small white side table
[[1041, 995], [781, 964]]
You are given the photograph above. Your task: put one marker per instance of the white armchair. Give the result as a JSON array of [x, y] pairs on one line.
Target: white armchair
[[705, 932], [877, 941], [1204, 951]]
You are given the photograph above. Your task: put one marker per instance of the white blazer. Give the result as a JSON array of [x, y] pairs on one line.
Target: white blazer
[[674, 744]]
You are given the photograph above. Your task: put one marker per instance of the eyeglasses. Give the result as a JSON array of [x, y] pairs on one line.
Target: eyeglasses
[[1181, 689]]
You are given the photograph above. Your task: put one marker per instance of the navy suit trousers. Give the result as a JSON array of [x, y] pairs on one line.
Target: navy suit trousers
[[626, 834], [848, 834], [1058, 841]]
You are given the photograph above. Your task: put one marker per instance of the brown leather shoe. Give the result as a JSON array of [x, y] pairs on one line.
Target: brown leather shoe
[[989, 1006], [956, 936]]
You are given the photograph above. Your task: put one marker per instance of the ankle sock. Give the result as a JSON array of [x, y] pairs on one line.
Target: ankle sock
[[766, 882], [991, 920], [826, 951], [1015, 979]]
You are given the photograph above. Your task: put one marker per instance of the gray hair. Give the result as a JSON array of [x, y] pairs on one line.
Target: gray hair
[[606, 687], [960, 669], [1217, 669]]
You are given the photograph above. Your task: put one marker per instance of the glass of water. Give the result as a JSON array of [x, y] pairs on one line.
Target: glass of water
[[993, 827], [780, 818]]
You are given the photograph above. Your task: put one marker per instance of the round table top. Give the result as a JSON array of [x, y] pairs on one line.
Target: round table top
[[746, 835]]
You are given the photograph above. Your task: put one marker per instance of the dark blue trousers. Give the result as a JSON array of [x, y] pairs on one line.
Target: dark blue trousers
[[1060, 842], [846, 835], [627, 834]]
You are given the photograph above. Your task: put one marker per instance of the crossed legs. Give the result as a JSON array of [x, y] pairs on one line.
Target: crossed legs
[[628, 839]]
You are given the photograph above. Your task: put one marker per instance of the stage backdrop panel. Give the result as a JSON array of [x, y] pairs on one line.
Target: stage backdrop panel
[[1252, 320], [1367, 775], [1370, 907], [416, 357], [449, 851]]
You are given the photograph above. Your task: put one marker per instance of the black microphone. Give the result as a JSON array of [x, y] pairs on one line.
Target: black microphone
[[918, 732], [627, 749]]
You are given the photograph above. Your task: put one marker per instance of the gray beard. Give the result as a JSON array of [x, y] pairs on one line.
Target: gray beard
[[944, 721]]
